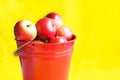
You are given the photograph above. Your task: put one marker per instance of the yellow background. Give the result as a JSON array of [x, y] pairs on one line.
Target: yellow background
[[96, 24]]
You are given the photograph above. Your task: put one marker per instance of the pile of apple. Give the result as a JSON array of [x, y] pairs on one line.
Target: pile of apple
[[49, 29]]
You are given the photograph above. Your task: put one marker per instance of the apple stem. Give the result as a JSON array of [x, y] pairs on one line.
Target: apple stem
[[16, 51], [28, 25]]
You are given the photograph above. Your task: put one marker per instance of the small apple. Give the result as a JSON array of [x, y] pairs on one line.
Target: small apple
[[64, 31], [46, 28], [25, 30], [56, 17], [57, 39]]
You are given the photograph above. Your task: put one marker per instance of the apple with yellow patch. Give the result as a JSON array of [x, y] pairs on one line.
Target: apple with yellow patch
[[25, 30]]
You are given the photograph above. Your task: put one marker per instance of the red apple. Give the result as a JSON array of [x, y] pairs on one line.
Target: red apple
[[46, 28], [25, 30], [56, 17], [64, 31], [58, 39]]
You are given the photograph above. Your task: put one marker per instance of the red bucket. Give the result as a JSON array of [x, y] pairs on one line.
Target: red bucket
[[45, 61]]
